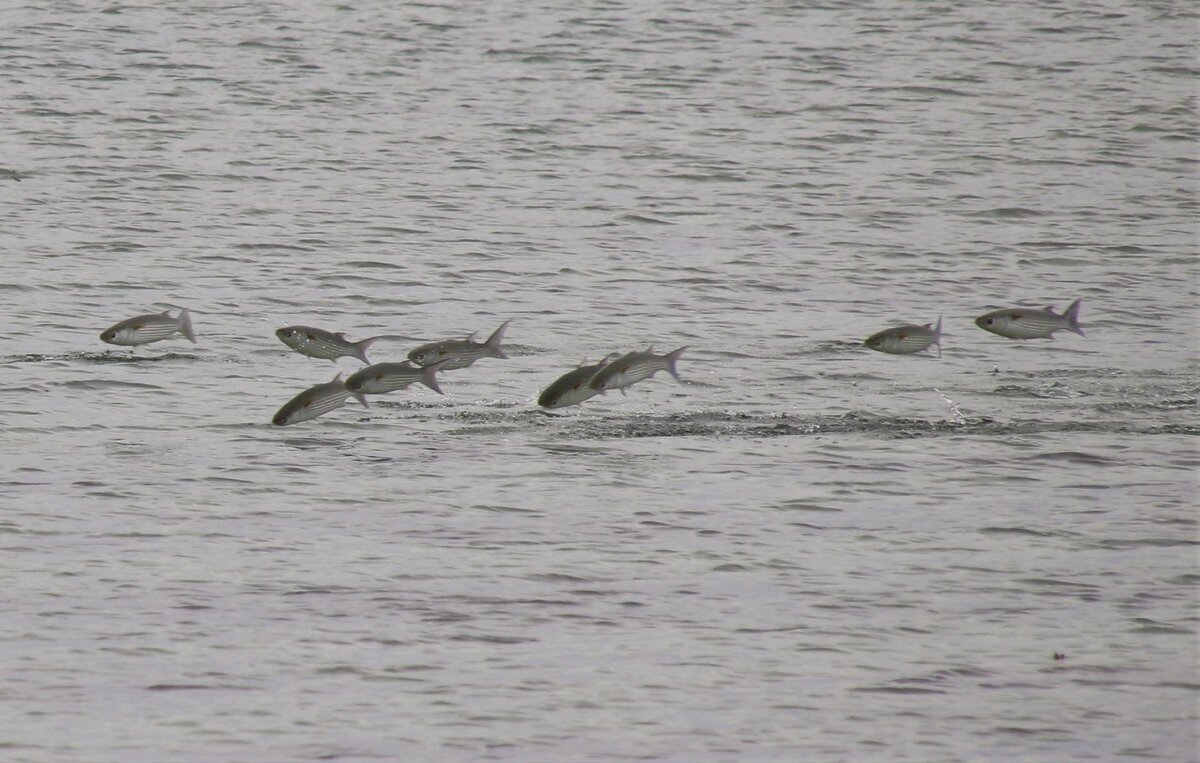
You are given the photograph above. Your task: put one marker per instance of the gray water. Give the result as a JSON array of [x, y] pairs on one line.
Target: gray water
[[806, 550]]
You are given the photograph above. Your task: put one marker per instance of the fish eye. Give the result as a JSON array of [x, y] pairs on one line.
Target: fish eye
[[990, 321]]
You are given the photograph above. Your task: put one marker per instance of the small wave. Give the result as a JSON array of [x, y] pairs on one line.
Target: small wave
[[583, 424], [644, 219], [1006, 213], [1074, 457], [1144, 625], [112, 357], [106, 384], [193, 687], [1126, 543], [1016, 531], [899, 690]]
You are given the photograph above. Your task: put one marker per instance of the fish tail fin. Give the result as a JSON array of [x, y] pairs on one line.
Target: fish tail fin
[[360, 348], [672, 357], [1072, 316], [185, 324], [937, 335], [429, 376], [493, 341]]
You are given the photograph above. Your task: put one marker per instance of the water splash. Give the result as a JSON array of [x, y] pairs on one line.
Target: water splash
[[956, 415]]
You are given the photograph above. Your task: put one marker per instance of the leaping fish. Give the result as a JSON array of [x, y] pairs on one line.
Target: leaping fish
[[633, 368], [905, 340], [318, 343], [572, 387], [315, 401], [460, 353], [1021, 323], [149, 328], [387, 377]]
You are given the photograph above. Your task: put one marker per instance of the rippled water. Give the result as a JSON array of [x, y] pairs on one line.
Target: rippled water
[[805, 550]]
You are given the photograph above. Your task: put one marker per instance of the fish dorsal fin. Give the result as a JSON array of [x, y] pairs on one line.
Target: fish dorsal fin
[[338, 377], [474, 335], [1050, 309], [342, 336]]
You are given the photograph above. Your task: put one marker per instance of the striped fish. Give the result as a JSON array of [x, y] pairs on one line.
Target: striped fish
[[572, 387], [905, 340], [387, 377], [1020, 323], [318, 343], [149, 328], [314, 402], [633, 368], [460, 353]]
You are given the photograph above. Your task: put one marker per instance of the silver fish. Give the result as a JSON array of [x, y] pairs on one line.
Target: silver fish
[[318, 343], [460, 353], [905, 340], [1022, 323], [633, 368], [387, 377], [572, 387], [315, 401], [149, 328]]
